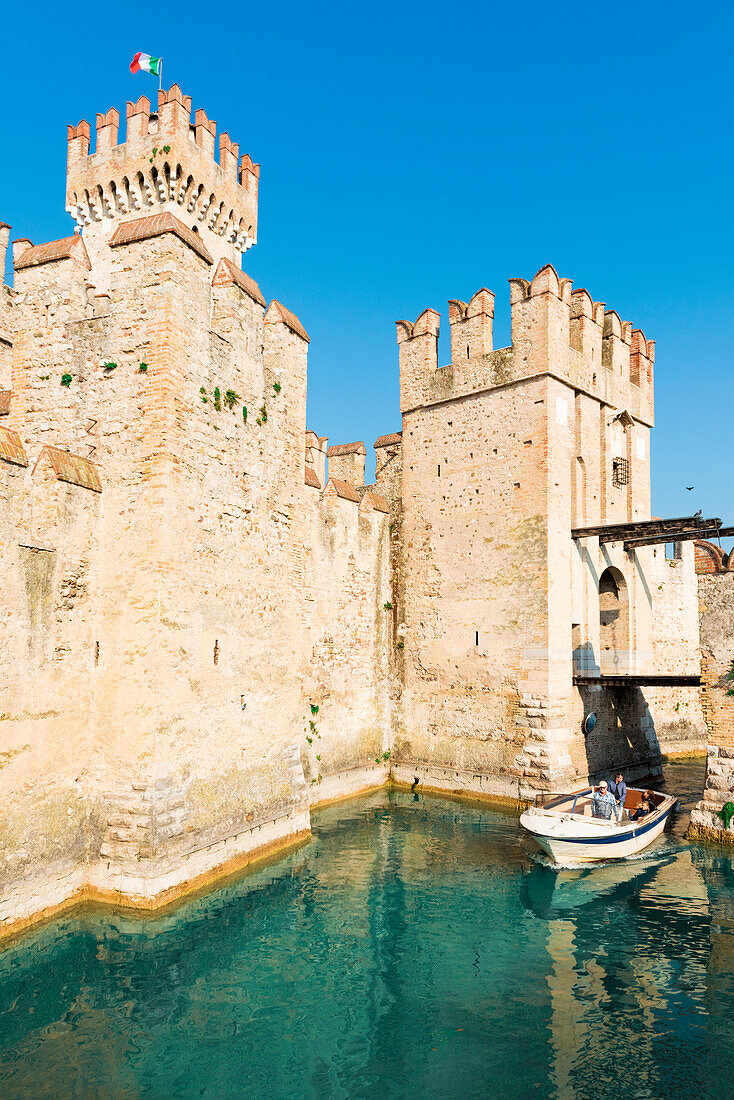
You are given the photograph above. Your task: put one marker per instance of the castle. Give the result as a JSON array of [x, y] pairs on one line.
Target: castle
[[210, 622]]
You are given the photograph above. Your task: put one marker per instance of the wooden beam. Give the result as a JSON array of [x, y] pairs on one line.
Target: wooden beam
[[632, 680], [680, 536], [616, 532]]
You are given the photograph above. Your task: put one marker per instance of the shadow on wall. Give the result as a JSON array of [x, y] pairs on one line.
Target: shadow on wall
[[614, 622], [584, 659], [624, 736]]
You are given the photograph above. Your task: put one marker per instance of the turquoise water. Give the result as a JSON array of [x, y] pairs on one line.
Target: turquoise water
[[417, 948]]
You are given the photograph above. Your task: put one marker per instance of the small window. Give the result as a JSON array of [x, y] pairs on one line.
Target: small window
[[216, 651], [673, 551], [476, 637], [620, 471], [439, 469]]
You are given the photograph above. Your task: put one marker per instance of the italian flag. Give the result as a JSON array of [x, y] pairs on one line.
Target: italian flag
[[143, 62]]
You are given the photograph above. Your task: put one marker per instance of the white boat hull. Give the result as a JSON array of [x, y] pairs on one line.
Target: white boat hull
[[568, 838]]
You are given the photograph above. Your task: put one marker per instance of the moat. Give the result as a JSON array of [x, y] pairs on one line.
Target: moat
[[417, 947]]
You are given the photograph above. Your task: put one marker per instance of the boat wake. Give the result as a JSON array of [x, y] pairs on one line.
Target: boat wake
[[579, 865]]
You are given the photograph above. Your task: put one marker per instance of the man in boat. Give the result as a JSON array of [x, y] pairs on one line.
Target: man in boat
[[603, 802], [618, 788]]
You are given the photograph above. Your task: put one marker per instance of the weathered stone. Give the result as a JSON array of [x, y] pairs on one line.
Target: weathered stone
[[269, 631]]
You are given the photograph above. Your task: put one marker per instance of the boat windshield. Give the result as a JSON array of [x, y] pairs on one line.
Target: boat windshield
[[561, 802]]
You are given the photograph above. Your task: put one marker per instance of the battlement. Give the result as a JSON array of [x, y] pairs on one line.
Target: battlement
[[556, 330], [347, 462], [336, 489], [393, 439], [316, 447], [166, 164], [60, 464], [27, 255]]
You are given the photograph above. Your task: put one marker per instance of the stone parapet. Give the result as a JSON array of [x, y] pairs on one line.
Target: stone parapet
[[166, 164]]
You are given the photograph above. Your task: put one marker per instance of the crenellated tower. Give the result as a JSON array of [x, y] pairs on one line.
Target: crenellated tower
[[167, 164], [505, 452], [184, 587]]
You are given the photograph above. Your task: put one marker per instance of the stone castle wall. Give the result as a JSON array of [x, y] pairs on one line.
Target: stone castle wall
[[716, 598], [195, 646], [504, 453], [210, 623]]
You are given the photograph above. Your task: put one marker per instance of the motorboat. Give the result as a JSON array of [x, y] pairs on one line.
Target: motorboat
[[567, 829]]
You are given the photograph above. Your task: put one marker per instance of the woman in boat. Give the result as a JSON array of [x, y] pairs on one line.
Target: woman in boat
[[646, 807]]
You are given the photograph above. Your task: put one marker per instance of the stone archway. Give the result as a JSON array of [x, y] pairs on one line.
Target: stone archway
[[614, 622]]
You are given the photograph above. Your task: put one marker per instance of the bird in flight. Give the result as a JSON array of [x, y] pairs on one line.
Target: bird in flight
[[689, 487]]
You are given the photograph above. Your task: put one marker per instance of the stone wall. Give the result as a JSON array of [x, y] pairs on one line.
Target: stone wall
[[676, 711], [195, 646], [205, 630], [716, 596], [504, 453]]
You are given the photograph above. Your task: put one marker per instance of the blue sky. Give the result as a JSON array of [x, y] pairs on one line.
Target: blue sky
[[412, 153]]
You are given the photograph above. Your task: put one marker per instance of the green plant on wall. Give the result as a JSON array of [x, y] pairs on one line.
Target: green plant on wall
[[263, 415], [204, 397], [65, 379], [311, 731], [217, 399], [230, 399], [730, 676], [387, 606], [726, 813], [142, 368], [277, 387], [109, 365]]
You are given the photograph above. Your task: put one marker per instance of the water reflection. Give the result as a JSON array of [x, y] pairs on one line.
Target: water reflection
[[414, 948], [630, 948]]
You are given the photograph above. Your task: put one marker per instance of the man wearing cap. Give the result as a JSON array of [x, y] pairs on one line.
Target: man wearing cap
[[603, 802]]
